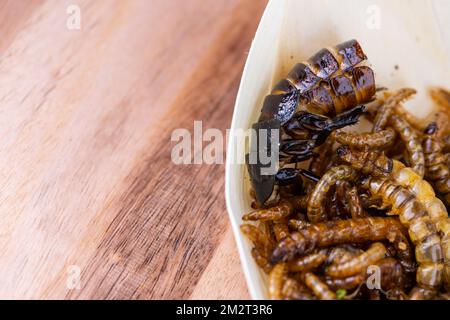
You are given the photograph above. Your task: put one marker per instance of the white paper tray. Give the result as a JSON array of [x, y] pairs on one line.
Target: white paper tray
[[412, 35]]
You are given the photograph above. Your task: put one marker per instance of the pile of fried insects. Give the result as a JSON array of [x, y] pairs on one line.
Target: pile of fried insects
[[367, 217]]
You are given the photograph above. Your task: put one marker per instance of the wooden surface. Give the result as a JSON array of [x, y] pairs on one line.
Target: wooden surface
[[85, 121]]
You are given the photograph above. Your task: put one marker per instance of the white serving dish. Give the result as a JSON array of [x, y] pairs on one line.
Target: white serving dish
[[413, 35]]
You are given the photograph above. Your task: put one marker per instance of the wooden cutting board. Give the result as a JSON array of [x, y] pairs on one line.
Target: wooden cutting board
[[91, 205]]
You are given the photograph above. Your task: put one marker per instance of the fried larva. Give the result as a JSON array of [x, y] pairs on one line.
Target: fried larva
[[341, 254], [442, 98], [436, 210], [348, 283], [412, 142], [384, 113], [392, 278], [422, 232], [331, 233], [436, 168], [316, 212], [368, 162], [319, 161], [309, 262], [319, 288], [358, 264], [355, 205], [297, 224], [261, 259], [294, 290], [276, 281], [366, 140], [278, 212], [281, 230], [255, 235], [392, 275]]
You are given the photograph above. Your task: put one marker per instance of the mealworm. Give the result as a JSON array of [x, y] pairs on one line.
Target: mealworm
[[261, 259], [348, 283], [276, 280], [330, 233], [392, 275], [281, 230], [422, 231], [368, 162], [412, 142], [278, 212], [315, 209], [385, 111], [297, 224], [255, 235], [341, 254], [442, 98], [309, 262], [319, 288], [319, 161], [436, 168], [355, 205], [358, 264], [434, 207], [366, 140], [294, 290]]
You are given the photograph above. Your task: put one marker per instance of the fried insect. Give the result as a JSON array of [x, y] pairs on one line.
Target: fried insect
[[392, 278], [338, 232], [278, 212], [315, 210], [341, 254], [385, 111], [442, 116], [294, 290], [358, 264], [330, 97], [318, 162], [319, 288], [337, 205], [366, 140], [321, 86], [345, 202], [422, 231], [413, 145], [354, 203], [368, 162], [370, 203], [261, 259], [256, 236], [281, 230], [330, 84], [392, 275], [300, 203], [262, 243], [276, 281], [442, 98], [436, 210], [297, 224], [348, 283], [266, 230], [308, 262], [436, 168]]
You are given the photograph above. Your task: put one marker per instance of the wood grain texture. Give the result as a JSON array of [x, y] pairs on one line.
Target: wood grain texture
[[86, 177]]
